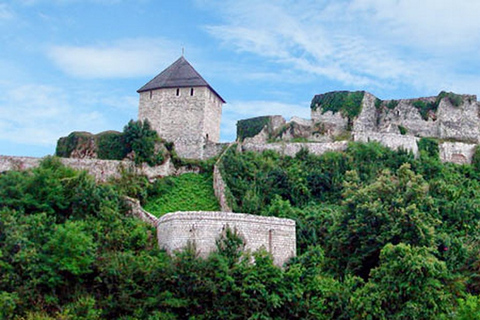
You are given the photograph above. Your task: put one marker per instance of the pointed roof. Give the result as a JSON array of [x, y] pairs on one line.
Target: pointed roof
[[180, 74]]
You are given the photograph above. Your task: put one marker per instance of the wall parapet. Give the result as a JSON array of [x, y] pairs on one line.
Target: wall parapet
[[176, 230]]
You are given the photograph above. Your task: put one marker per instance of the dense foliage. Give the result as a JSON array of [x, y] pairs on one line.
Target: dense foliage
[[78, 139], [349, 104], [380, 235], [248, 128], [137, 136]]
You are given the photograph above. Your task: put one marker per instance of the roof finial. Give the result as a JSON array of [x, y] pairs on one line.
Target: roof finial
[[183, 51]]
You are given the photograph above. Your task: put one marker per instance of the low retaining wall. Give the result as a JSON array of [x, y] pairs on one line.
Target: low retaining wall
[[276, 235]]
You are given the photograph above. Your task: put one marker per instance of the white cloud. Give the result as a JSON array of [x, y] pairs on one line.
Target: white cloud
[[238, 110], [39, 115], [121, 59], [431, 24], [363, 43]]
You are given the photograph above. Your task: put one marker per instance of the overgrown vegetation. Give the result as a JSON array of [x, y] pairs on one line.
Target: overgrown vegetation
[[251, 127], [349, 104], [137, 137], [187, 192], [429, 108], [111, 145], [392, 104], [380, 235]]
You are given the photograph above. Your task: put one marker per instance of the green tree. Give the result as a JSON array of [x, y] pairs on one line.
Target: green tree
[[409, 283], [392, 209], [141, 139]]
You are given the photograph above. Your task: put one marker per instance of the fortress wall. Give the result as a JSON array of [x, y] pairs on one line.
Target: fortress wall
[[292, 148], [390, 140], [219, 187], [176, 230], [211, 149], [101, 170], [457, 152], [212, 115]]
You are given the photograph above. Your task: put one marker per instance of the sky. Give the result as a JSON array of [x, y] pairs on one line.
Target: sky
[[75, 65]]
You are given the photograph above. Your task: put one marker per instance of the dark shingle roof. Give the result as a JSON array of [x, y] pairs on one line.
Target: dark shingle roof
[[180, 74]]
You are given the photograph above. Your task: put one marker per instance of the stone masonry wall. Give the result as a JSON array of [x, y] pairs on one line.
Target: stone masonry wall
[[390, 140], [188, 120], [219, 188], [457, 152], [176, 230], [292, 148], [101, 170]]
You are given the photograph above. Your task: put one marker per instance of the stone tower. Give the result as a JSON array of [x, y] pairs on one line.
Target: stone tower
[[183, 108]]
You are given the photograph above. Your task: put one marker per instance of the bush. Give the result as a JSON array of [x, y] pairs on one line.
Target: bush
[[111, 145], [429, 146], [141, 139]]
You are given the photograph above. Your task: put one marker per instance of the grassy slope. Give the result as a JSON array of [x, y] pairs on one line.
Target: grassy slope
[[188, 192]]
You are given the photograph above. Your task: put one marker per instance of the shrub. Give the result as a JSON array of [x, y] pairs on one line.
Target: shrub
[[111, 145], [429, 146], [141, 139]]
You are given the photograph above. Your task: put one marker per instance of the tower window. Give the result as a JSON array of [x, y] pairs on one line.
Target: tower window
[[150, 94], [178, 91], [191, 91]]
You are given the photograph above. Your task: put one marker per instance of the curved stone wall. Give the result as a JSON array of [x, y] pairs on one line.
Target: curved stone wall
[[276, 235]]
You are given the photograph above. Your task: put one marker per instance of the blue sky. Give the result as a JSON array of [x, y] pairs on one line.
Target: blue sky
[[75, 65]]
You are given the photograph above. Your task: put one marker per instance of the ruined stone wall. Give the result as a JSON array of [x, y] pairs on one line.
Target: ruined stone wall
[[101, 170], [390, 140], [211, 149], [456, 152], [333, 123], [277, 236], [292, 148], [219, 188], [188, 118]]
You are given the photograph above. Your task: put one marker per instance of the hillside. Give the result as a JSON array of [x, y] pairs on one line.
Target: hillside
[[380, 234]]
